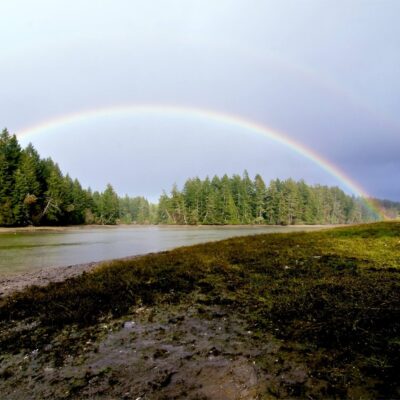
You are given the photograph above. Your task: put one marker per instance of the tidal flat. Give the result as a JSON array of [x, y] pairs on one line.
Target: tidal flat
[[292, 315], [29, 250]]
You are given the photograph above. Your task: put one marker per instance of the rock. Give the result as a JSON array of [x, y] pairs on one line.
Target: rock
[[129, 324]]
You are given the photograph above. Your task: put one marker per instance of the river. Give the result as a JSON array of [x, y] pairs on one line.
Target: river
[[23, 251]]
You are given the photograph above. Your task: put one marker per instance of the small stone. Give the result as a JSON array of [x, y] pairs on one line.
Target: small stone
[[129, 324]]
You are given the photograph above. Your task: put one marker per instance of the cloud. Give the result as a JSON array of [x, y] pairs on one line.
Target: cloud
[[323, 74]]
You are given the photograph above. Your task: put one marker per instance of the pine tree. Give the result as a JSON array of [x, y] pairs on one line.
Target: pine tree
[[55, 196], [272, 203], [10, 154], [292, 197], [20, 193], [178, 206], [164, 213], [229, 210], [109, 206], [192, 199], [260, 195]]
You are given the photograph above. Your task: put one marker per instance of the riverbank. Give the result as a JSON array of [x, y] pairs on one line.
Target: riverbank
[[298, 315], [44, 276], [24, 252], [12, 230], [31, 228]]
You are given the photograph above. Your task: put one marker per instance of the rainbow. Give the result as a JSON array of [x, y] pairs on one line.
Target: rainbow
[[209, 115]]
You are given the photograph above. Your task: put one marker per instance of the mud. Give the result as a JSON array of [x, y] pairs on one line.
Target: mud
[[10, 284], [155, 353], [42, 277]]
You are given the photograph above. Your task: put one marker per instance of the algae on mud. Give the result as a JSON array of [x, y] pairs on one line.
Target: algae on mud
[[327, 302]]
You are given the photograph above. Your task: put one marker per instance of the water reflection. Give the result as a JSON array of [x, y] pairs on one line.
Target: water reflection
[[27, 251]]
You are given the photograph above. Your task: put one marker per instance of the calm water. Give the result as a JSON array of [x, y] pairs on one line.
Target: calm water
[[26, 251]]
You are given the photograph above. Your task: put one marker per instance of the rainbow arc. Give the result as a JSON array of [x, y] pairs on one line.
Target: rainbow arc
[[210, 115]]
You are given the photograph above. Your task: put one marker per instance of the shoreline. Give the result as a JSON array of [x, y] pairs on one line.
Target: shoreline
[[10, 284], [29, 229], [235, 316]]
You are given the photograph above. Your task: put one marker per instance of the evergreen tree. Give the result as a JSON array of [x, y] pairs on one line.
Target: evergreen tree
[[34, 191], [192, 198], [109, 206], [260, 196], [55, 195], [292, 197], [164, 214], [272, 202], [10, 154], [229, 210]]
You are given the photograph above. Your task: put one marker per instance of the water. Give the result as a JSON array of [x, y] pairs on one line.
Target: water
[[27, 251]]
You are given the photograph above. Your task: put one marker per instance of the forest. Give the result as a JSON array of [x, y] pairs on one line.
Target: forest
[[34, 191], [241, 200]]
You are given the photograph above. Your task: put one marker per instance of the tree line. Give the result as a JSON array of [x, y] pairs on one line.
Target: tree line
[[34, 191], [241, 200]]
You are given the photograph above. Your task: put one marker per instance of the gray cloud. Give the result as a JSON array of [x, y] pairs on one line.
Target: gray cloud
[[324, 73]]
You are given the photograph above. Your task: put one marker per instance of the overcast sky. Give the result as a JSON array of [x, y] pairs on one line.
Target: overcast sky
[[324, 72]]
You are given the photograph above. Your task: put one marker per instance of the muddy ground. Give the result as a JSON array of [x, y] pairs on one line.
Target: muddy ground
[[42, 277], [170, 352], [305, 315], [13, 283]]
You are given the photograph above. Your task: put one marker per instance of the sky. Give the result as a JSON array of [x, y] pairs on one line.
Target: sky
[[324, 73]]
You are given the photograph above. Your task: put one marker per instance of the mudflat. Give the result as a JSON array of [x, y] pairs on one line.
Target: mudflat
[[298, 315]]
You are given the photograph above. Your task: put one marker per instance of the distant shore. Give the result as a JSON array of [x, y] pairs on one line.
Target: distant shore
[[32, 228], [8, 230]]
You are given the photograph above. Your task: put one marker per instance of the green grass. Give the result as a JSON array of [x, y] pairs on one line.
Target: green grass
[[334, 293]]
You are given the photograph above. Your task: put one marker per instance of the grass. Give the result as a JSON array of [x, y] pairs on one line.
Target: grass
[[333, 295]]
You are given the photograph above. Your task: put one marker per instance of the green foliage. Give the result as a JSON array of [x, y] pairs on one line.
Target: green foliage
[[10, 154], [136, 210], [240, 200], [34, 191], [108, 206]]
